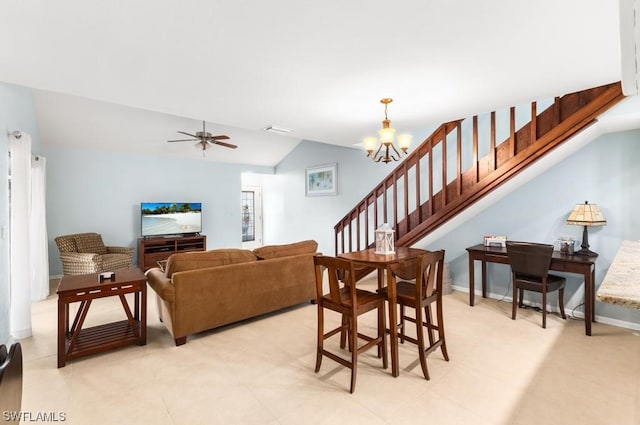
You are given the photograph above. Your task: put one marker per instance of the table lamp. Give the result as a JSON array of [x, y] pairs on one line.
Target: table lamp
[[586, 215]]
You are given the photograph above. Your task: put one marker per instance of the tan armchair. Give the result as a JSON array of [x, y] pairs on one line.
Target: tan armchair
[[85, 253]]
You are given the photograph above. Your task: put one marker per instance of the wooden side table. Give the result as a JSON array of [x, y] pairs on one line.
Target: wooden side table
[[76, 342]]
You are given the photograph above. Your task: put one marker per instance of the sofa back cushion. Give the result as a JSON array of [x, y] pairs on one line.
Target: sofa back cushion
[[90, 243], [198, 260], [277, 251]]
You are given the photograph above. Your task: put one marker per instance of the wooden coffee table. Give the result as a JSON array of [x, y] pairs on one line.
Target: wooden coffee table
[[74, 341]]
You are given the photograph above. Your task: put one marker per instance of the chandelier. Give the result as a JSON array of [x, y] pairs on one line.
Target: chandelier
[[386, 151]]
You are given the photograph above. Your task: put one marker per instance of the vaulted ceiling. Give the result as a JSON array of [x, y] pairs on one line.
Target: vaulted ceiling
[[126, 75]]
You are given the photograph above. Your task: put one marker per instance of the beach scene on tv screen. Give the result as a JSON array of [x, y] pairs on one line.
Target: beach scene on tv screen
[[171, 218]]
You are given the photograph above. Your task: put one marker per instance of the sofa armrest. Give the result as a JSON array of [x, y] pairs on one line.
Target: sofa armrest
[[120, 250], [161, 284]]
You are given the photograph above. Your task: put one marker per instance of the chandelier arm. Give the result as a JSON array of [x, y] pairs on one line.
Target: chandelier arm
[[375, 155], [396, 151]]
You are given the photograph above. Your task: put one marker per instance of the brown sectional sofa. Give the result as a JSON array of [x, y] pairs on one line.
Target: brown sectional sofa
[[198, 291]]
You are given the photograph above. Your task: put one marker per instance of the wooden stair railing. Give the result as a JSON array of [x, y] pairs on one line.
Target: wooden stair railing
[[412, 199]]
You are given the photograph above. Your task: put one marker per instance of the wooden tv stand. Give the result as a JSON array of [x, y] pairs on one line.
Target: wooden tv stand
[[152, 250]]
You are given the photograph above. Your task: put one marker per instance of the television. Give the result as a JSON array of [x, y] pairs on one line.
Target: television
[[170, 218]]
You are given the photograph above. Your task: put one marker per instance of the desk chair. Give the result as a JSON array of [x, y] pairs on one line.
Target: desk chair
[[530, 271], [350, 302], [424, 290]]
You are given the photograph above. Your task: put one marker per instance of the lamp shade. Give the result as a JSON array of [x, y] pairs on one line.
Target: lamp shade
[[586, 215]]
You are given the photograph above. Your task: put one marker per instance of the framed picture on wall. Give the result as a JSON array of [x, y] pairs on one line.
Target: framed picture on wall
[[322, 180]]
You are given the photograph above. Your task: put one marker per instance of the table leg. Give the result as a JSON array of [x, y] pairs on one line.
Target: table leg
[[393, 324], [63, 320], [143, 315], [593, 294], [484, 279], [471, 281], [589, 304], [136, 305]]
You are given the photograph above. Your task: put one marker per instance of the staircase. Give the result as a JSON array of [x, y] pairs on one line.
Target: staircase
[[462, 161]]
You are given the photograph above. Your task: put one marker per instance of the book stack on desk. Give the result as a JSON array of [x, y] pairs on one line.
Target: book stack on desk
[[498, 241]]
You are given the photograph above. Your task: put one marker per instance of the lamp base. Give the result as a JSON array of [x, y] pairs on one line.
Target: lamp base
[[586, 252]]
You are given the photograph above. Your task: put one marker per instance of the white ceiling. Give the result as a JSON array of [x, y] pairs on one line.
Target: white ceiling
[[126, 75]]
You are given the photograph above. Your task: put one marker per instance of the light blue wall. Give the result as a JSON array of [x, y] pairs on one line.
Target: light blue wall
[[91, 191], [16, 114], [101, 191], [290, 215], [606, 172]]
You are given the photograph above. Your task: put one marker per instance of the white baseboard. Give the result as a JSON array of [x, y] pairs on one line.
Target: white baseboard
[[580, 314]]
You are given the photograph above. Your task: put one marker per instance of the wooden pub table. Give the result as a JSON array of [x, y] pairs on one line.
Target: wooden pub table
[[75, 341], [382, 262]]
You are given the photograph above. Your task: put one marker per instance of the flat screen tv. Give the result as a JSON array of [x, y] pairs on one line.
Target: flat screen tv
[[170, 218]]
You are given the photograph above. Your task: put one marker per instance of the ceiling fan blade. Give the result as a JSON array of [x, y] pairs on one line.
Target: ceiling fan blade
[[181, 140], [226, 145], [187, 134], [220, 137]]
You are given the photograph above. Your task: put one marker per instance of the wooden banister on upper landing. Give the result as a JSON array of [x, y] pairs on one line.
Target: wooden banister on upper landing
[[446, 173]]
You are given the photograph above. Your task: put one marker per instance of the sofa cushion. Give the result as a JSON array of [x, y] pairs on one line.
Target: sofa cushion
[[197, 260], [90, 243], [277, 251]]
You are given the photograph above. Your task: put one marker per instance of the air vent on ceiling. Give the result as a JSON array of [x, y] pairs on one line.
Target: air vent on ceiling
[[278, 130]]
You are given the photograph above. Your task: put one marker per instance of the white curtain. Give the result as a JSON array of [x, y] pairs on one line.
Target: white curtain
[[28, 239], [19, 207], [38, 244]]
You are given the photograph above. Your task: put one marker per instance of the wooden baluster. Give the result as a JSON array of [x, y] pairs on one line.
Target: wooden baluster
[[459, 157], [512, 132], [418, 201], [534, 123], [475, 150], [492, 148], [395, 200], [444, 168], [358, 228], [431, 209], [366, 223], [384, 202]]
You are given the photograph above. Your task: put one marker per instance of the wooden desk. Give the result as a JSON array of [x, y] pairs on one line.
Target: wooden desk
[[74, 341], [382, 262], [578, 264]]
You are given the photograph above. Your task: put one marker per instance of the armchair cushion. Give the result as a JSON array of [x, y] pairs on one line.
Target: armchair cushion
[[90, 242], [66, 244]]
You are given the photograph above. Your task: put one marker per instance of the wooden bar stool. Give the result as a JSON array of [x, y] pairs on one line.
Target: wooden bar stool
[[424, 289], [345, 299]]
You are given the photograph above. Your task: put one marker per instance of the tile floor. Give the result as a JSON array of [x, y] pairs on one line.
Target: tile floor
[[261, 372]]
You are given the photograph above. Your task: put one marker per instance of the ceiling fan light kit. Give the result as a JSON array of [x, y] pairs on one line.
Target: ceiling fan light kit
[[204, 138], [390, 152]]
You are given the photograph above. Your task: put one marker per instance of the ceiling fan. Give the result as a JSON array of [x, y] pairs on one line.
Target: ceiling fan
[[204, 138]]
